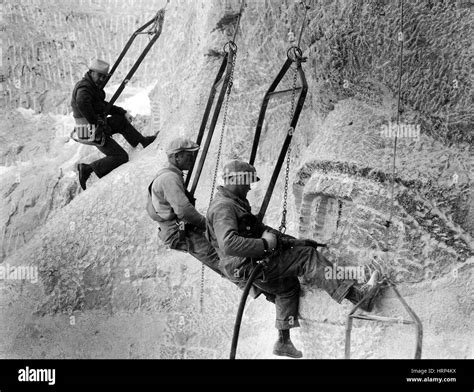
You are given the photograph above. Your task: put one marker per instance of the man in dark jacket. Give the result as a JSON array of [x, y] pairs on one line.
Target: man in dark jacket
[[88, 106], [241, 240]]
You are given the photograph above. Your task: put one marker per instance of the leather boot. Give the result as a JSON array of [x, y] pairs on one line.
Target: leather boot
[[284, 346], [371, 289], [84, 171], [147, 140]]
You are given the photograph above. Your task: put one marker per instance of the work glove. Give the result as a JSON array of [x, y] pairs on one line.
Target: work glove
[[270, 238]]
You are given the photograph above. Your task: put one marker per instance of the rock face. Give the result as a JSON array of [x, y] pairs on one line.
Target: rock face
[[106, 287]]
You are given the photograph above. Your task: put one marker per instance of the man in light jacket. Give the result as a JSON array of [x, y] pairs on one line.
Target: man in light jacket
[[182, 227]]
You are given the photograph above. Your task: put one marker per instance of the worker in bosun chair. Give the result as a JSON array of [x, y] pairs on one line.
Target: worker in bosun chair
[[181, 226], [88, 104], [241, 240]]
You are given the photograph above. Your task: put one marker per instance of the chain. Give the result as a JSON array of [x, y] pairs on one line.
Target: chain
[[219, 152], [224, 121], [282, 227]]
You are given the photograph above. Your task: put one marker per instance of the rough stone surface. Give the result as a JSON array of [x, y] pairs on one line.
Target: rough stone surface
[[108, 289]]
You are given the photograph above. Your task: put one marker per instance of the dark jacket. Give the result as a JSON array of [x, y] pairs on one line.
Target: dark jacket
[[88, 100], [235, 233]]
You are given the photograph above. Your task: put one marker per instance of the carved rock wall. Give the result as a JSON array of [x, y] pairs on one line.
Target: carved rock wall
[[107, 288]]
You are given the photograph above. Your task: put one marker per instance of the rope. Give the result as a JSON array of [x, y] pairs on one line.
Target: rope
[[237, 24], [306, 8], [392, 186]]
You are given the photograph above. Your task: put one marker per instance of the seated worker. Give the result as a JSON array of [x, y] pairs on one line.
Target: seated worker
[[240, 240], [182, 227], [88, 105]]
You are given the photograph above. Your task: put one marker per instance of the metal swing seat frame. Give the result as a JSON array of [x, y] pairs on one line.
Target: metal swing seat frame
[[91, 134], [415, 320]]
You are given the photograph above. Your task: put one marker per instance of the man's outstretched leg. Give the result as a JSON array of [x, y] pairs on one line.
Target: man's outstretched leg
[[312, 266], [115, 156], [119, 124], [315, 272]]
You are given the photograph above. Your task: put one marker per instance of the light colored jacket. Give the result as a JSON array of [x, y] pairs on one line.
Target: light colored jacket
[[171, 203]]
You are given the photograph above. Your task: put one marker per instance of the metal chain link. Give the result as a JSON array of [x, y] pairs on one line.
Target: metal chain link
[[219, 152], [224, 121], [282, 227]]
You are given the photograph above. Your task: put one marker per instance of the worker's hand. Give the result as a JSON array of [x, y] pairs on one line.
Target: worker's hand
[[271, 239], [128, 116]]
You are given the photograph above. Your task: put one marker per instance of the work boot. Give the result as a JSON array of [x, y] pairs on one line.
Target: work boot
[[147, 140], [84, 170], [286, 349], [284, 346], [371, 289]]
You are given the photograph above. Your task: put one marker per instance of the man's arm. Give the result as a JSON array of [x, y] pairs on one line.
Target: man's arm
[[225, 226], [84, 104], [175, 195]]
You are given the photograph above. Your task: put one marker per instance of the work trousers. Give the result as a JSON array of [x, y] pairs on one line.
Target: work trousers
[[115, 154], [280, 278], [194, 242]]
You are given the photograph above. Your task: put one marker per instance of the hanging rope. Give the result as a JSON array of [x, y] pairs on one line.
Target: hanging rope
[[306, 8], [399, 110], [237, 24]]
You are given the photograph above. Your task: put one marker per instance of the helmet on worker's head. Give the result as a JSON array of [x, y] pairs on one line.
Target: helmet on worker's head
[[99, 66], [181, 144], [238, 172]]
